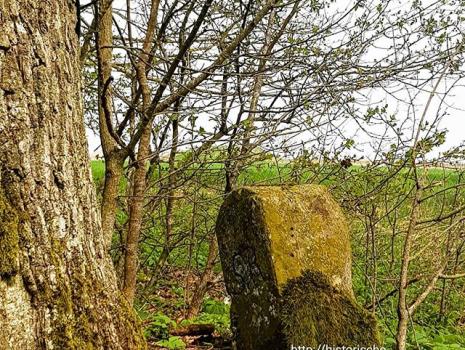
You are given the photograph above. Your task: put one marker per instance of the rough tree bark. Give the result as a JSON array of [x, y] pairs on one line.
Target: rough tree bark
[[57, 284]]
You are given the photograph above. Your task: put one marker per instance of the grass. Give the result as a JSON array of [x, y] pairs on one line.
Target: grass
[[98, 170]]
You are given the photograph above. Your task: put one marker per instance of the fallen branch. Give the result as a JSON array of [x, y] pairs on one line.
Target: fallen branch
[[194, 330]]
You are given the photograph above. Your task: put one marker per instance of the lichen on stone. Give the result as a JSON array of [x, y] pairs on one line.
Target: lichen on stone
[[307, 230]]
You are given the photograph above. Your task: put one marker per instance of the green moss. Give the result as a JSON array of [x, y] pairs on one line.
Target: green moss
[[313, 312], [307, 231], [77, 317], [79, 305], [9, 238]]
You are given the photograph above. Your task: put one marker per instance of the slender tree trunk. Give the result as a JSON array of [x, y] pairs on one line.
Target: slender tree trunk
[[402, 327], [402, 305], [404, 311], [57, 284], [169, 221], [136, 202], [136, 208], [171, 183], [114, 170], [114, 155], [207, 276]]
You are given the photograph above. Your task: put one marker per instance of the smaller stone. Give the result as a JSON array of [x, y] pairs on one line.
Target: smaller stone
[[313, 312]]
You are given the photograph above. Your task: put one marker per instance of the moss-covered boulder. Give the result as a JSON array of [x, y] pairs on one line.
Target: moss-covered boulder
[[271, 240], [313, 312]]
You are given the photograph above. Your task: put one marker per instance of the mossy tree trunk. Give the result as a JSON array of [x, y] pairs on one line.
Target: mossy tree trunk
[[57, 284]]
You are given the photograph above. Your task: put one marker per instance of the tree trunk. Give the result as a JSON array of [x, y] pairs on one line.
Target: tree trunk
[[114, 171], [114, 155], [401, 336], [207, 276], [57, 284], [136, 213], [136, 202], [403, 313]]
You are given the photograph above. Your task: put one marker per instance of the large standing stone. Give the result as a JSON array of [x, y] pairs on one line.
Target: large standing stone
[[286, 258]]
